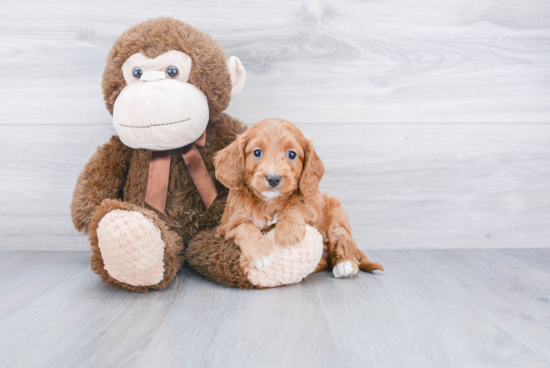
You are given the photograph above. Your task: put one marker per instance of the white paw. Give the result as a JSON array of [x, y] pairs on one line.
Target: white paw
[[343, 269], [264, 263]]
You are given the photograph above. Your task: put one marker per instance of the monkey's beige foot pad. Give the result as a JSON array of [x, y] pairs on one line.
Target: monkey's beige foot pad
[[131, 248], [289, 265]]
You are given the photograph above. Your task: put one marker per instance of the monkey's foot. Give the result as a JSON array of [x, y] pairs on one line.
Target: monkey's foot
[[289, 264], [131, 247]]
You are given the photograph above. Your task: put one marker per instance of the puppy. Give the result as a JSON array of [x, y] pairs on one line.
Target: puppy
[[273, 174]]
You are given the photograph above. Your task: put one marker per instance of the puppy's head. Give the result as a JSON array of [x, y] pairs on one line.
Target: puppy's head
[[272, 158]]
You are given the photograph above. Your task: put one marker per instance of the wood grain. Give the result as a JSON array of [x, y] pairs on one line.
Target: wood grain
[[256, 327], [449, 307], [308, 61], [403, 186], [24, 276], [438, 308], [531, 258]]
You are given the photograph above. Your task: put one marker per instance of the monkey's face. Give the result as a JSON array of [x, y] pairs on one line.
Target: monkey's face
[[158, 109], [164, 80]]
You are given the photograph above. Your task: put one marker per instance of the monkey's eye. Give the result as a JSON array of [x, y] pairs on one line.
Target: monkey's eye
[[258, 153], [172, 72], [291, 155], [137, 73]]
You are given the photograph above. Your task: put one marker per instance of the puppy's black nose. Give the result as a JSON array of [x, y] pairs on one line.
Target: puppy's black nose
[[273, 180]]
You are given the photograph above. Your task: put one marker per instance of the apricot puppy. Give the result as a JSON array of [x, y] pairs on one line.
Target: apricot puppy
[[273, 174]]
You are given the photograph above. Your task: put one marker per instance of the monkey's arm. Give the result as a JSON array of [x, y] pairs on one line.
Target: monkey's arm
[[103, 177]]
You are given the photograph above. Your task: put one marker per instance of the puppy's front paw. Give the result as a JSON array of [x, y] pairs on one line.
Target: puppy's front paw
[[264, 262], [259, 254], [289, 233], [345, 269]]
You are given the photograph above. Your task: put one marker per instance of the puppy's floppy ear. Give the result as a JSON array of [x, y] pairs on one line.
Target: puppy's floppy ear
[[229, 164], [313, 170]]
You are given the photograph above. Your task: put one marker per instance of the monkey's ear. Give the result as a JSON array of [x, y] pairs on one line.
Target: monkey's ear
[[229, 164], [312, 172], [237, 73]]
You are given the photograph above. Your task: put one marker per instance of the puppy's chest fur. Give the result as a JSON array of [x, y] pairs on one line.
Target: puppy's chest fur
[[266, 215]]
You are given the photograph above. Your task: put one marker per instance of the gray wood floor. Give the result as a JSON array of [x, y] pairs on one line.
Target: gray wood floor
[[436, 308]]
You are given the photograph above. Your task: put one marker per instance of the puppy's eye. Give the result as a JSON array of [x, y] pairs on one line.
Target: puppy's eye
[[137, 73], [291, 155], [258, 153], [172, 72]]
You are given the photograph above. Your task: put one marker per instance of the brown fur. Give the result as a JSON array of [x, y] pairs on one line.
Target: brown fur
[[300, 202], [217, 259], [156, 36], [120, 173]]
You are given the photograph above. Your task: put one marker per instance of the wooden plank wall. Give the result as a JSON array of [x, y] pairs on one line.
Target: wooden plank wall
[[432, 116]]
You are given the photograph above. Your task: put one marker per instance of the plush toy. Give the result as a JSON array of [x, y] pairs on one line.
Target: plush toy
[[144, 194]]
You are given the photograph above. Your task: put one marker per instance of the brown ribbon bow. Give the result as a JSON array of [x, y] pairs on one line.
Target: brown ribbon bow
[[159, 175]]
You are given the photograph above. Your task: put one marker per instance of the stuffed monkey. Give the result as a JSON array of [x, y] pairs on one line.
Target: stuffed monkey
[[150, 189]]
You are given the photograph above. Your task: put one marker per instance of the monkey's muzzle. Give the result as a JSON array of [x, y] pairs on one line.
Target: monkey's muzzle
[[160, 114]]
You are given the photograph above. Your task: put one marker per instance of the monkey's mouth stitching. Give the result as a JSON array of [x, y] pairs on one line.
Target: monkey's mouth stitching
[[152, 125]]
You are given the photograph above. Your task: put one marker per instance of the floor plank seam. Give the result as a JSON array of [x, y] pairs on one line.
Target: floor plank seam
[[44, 292]]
